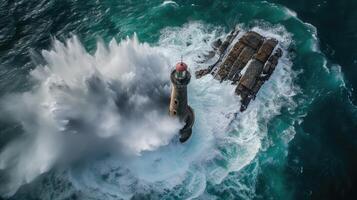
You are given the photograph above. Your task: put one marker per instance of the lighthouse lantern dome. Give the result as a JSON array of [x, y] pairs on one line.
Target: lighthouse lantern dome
[[181, 66], [181, 69]]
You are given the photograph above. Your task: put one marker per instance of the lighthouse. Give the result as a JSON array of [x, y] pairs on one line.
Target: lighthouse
[[180, 78]]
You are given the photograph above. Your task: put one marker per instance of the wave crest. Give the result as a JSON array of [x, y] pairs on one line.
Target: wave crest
[[84, 105]]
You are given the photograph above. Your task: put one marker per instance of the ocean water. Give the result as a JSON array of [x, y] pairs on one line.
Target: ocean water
[[84, 89]]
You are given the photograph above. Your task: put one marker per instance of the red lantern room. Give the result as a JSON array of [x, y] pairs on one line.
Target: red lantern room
[[181, 69], [181, 66]]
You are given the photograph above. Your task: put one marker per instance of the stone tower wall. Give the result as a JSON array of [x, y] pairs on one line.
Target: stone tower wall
[[178, 101]]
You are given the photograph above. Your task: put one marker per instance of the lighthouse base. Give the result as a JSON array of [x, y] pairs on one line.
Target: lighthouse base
[[186, 131]]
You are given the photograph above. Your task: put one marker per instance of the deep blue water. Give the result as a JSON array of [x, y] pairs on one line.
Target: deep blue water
[[307, 147]]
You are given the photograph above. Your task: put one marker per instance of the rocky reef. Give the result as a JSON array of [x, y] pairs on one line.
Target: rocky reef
[[247, 60]]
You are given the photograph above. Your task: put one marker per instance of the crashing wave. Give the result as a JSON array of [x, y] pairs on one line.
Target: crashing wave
[[115, 101]]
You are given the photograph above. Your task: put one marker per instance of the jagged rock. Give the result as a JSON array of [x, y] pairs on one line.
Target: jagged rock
[[278, 53], [209, 55], [252, 39], [239, 55], [229, 61], [272, 62], [251, 75], [228, 41], [216, 44], [248, 63], [265, 50], [241, 61], [201, 73]]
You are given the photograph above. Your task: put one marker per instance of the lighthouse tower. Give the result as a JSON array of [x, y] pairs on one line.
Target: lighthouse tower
[[180, 77]]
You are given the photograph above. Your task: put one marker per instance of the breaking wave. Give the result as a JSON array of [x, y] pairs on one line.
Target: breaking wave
[[82, 105], [110, 109]]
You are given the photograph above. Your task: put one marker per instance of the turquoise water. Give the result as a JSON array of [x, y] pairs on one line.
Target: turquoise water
[[68, 60]]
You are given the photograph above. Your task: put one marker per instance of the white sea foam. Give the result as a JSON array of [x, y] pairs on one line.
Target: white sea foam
[[169, 3], [86, 104], [117, 84], [219, 136]]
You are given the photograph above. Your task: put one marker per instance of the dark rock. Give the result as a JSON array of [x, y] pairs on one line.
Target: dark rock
[[249, 78], [248, 63], [241, 61], [228, 41], [209, 55], [226, 65], [239, 55], [278, 53], [216, 44], [265, 50], [252, 39], [201, 73]]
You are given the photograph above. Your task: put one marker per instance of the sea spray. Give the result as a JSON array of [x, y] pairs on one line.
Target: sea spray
[[280, 170], [124, 86], [222, 142], [84, 105]]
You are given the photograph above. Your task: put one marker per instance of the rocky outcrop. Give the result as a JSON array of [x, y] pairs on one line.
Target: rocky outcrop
[[202, 72], [248, 63]]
